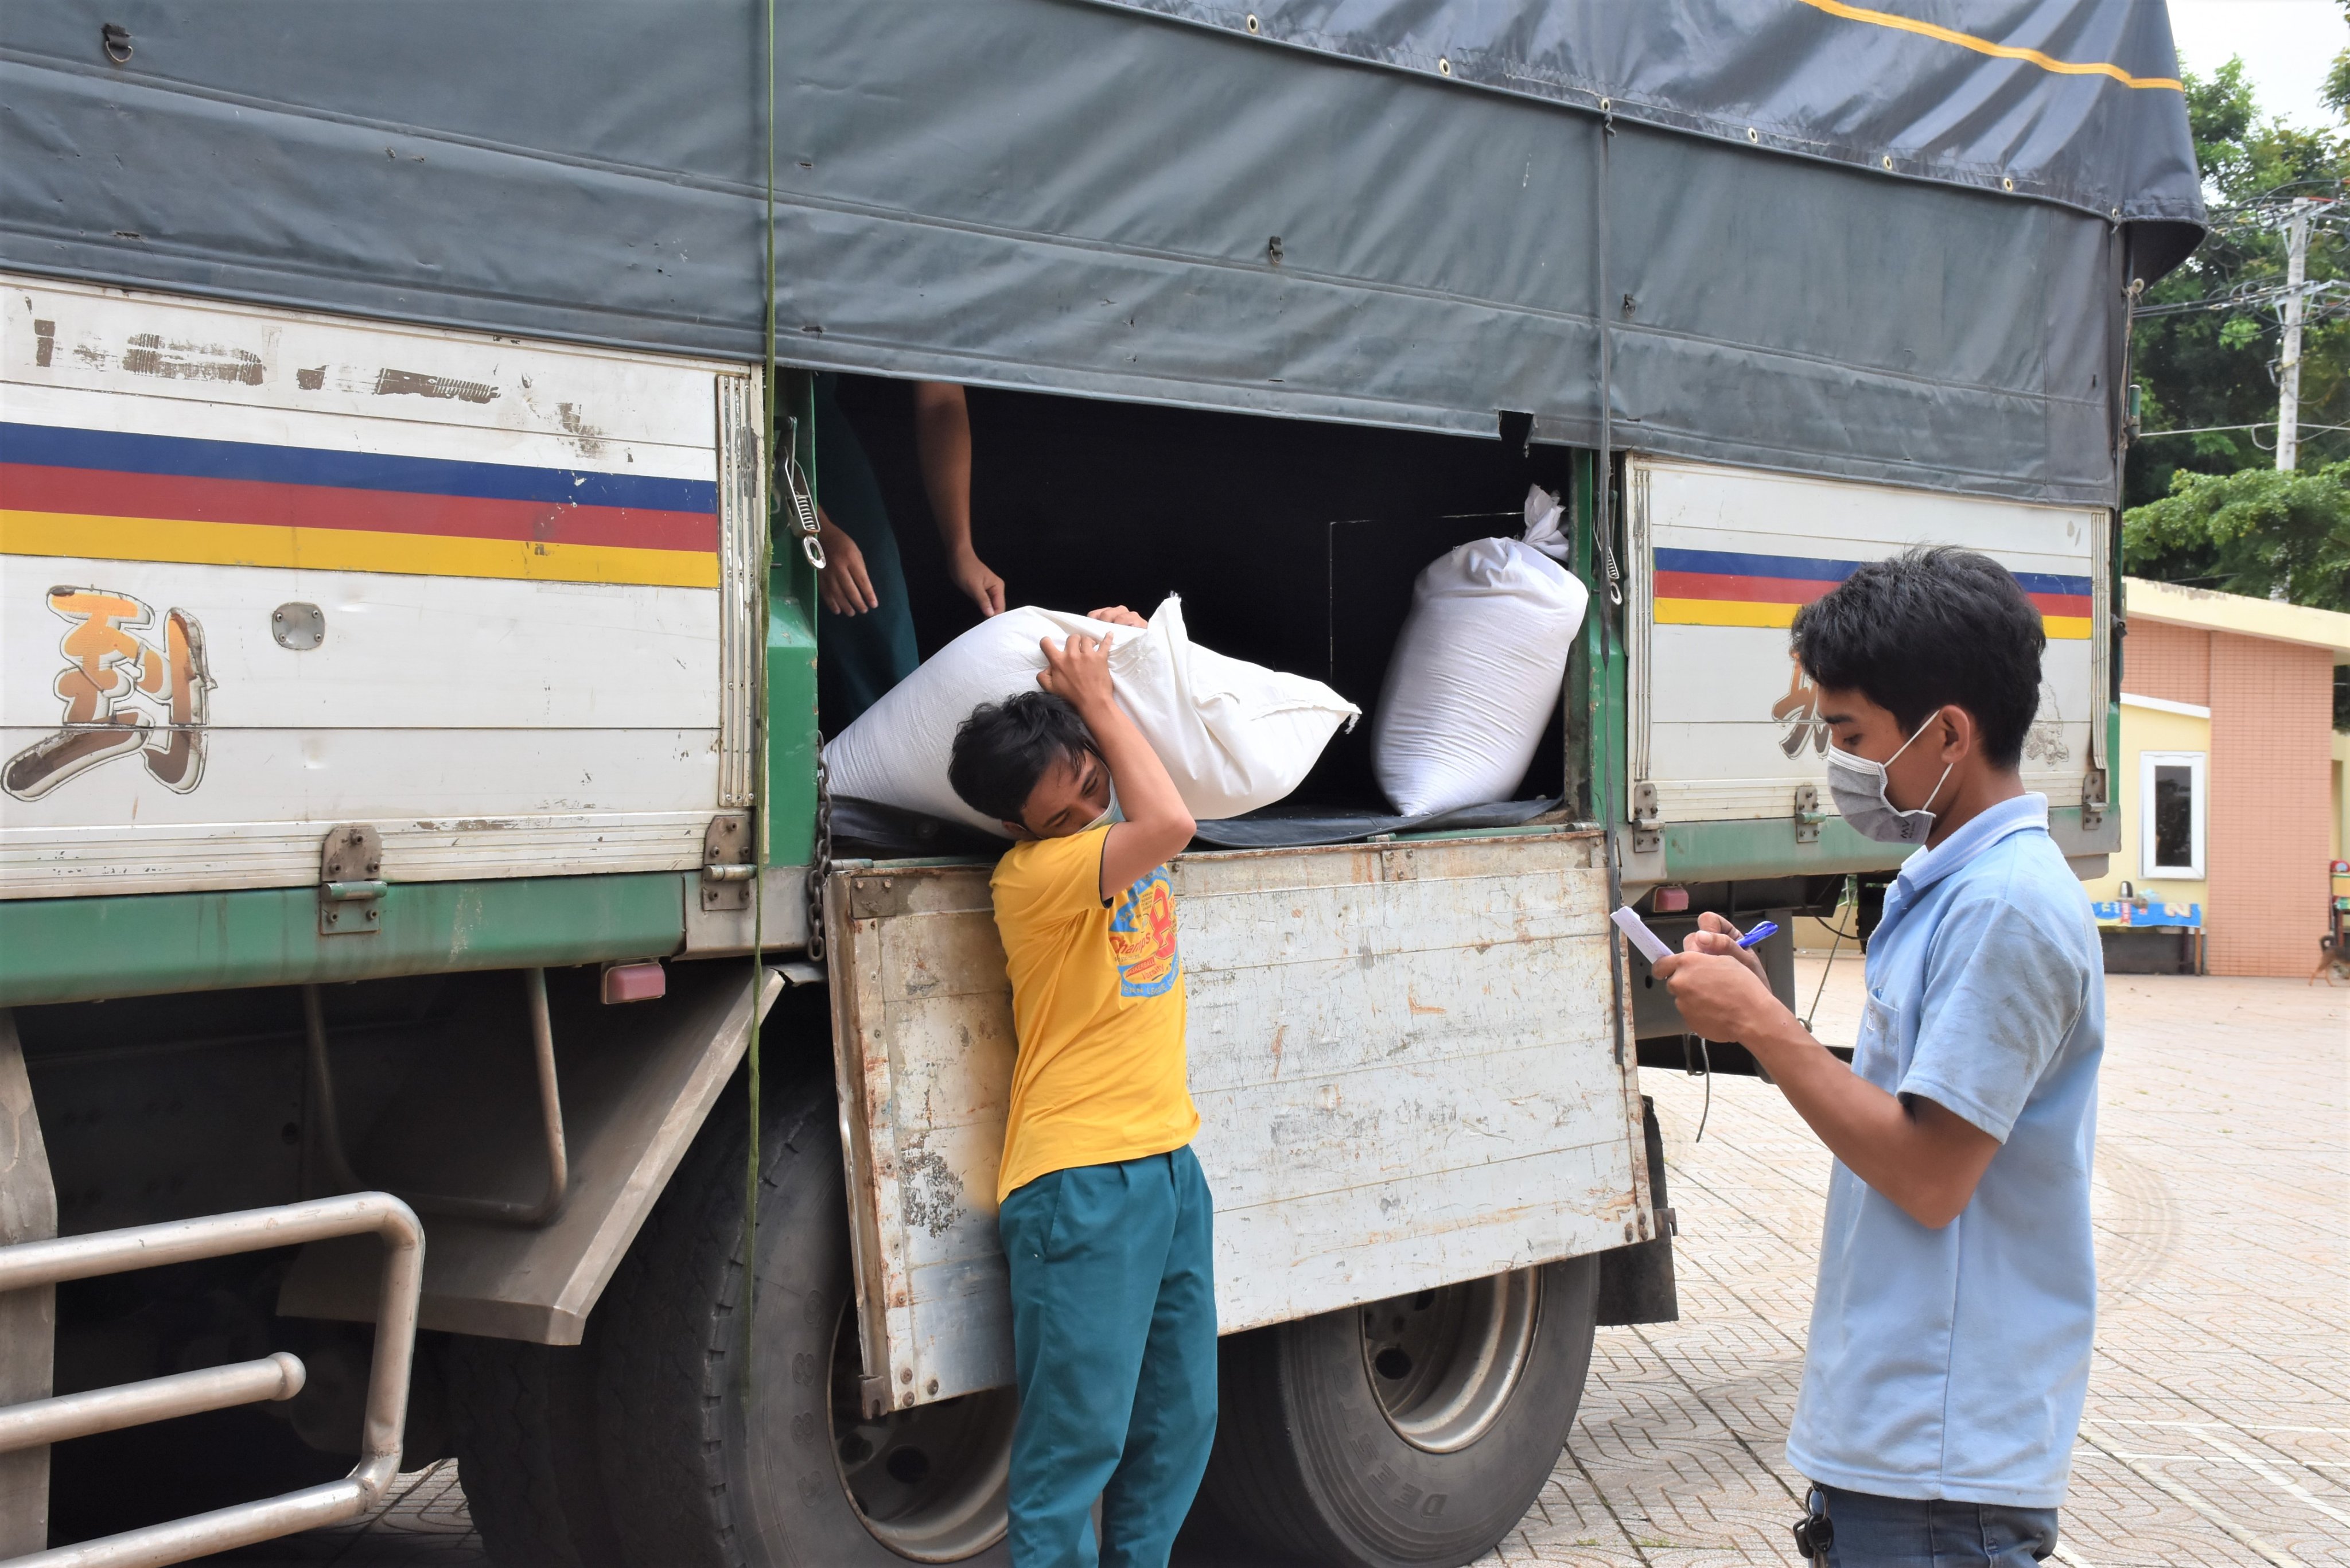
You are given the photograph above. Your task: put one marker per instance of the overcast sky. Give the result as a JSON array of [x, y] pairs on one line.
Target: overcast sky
[[2286, 46]]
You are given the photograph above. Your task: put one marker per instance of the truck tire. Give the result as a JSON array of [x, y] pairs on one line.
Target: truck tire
[[524, 1423], [702, 1473], [1412, 1432]]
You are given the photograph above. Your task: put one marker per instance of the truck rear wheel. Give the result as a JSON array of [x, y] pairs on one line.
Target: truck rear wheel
[[705, 1471], [1411, 1432], [524, 1426]]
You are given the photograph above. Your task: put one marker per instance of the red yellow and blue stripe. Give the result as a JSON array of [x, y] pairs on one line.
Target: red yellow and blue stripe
[[1734, 588], [118, 496]]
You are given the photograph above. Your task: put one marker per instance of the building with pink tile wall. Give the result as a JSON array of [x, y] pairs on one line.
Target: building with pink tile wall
[[2262, 673]]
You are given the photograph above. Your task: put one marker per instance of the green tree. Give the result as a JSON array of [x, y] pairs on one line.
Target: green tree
[[2200, 367], [2256, 532], [2210, 509]]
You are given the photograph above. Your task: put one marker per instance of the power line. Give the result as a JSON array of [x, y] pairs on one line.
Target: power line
[[2256, 425], [2325, 295]]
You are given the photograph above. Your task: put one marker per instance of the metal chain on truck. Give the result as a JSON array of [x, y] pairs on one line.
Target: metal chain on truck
[[819, 864]]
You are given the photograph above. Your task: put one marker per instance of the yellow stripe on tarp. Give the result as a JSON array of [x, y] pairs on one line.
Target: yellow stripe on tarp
[[1753, 612], [347, 550], [1985, 46]]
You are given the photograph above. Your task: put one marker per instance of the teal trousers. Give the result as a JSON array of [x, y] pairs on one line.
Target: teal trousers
[[1114, 1340]]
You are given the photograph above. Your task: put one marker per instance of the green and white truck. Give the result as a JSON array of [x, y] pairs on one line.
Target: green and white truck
[[442, 1011]]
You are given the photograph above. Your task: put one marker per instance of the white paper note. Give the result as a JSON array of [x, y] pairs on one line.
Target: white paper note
[[1636, 930]]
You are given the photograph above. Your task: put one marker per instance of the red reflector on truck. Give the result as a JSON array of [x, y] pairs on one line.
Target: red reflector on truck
[[645, 981]]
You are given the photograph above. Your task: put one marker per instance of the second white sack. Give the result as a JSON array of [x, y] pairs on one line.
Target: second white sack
[[1478, 668]]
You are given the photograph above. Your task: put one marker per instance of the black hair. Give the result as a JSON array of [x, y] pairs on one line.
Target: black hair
[[1934, 626], [1004, 748]]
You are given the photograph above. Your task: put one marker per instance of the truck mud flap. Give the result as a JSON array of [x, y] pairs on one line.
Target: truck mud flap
[[1636, 1283]]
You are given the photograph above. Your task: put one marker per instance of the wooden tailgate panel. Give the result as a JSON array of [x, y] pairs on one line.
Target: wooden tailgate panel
[[1401, 1055]]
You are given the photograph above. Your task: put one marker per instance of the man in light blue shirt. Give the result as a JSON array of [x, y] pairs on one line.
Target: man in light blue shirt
[[1956, 1303]]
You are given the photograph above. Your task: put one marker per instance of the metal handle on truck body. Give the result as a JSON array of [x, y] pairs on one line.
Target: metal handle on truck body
[[497, 1210]]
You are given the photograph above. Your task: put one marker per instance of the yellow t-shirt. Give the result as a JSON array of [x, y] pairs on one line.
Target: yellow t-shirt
[[1097, 1007]]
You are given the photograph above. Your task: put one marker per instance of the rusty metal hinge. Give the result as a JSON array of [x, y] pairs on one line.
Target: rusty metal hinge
[[2093, 798], [726, 864], [350, 880]]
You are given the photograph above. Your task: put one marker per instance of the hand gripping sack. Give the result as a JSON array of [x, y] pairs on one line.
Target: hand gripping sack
[[1234, 735], [1477, 671]]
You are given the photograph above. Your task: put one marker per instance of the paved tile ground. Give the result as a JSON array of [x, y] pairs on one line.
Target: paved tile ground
[[2219, 1415], [2218, 1427]]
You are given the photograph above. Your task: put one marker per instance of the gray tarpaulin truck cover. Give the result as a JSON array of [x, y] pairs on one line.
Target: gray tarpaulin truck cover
[[1887, 243]]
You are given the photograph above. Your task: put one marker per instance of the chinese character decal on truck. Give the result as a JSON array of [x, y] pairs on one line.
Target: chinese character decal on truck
[[1798, 711], [122, 694]]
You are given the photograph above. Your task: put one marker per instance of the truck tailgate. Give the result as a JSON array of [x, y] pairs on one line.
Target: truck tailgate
[[1401, 1054]]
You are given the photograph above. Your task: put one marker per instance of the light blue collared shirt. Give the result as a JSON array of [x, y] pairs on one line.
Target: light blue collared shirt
[[1953, 1362]]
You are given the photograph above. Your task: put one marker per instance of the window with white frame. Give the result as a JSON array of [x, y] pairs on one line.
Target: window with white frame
[[2170, 814]]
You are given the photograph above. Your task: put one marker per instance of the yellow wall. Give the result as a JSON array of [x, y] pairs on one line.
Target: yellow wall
[[2148, 730], [2341, 795]]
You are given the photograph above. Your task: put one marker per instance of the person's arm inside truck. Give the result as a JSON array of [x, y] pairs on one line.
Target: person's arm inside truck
[[942, 442]]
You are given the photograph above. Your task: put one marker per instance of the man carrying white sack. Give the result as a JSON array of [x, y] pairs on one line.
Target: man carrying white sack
[[1105, 1216]]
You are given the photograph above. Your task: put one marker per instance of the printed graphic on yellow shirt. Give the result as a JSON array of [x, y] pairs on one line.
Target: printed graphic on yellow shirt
[[1142, 938]]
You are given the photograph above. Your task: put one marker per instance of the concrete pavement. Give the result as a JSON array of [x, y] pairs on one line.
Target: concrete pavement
[[2217, 1425]]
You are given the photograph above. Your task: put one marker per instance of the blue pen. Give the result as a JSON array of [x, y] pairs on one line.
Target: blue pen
[[1767, 928]]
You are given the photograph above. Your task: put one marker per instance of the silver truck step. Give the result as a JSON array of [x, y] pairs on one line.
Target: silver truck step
[[29, 1264]]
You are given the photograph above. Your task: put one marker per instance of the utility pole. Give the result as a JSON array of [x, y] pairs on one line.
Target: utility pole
[[2296, 274]]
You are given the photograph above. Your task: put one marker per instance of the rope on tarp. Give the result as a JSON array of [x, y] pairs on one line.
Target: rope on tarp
[[761, 782], [1602, 529], [1605, 525]]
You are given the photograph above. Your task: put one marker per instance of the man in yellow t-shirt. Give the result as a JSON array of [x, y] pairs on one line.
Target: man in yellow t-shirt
[[1102, 1208]]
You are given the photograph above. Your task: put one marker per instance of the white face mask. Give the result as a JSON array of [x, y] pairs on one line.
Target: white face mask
[[1109, 812], [1857, 787]]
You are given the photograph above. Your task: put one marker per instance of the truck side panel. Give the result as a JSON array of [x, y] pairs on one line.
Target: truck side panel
[[1722, 728], [261, 573]]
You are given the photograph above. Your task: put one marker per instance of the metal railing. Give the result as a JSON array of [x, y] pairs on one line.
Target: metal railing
[[27, 1264]]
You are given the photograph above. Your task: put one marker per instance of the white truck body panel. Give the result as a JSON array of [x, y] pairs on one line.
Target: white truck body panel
[[533, 565], [1721, 559], [1401, 1055]]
